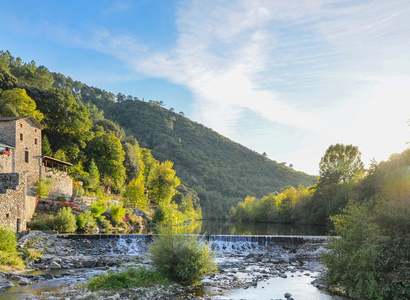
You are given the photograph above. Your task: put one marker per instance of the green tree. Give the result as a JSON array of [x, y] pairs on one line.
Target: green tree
[[107, 152], [162, 182], [16, 102], [94, 176], [86, 221], [65, 220], [45, 147], [134, 195], [66, 122], [341, 164]]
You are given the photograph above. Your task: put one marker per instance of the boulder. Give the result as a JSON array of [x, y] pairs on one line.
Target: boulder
[[4, 285]]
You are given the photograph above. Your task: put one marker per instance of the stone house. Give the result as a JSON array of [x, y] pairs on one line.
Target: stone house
[[21, 166]]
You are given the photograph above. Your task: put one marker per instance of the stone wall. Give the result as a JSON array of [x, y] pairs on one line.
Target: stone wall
[[13, 202], [31, 143], [6, 163], [62, 184]]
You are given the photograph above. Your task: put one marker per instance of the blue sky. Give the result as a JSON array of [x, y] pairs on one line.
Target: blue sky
[[288, 78]]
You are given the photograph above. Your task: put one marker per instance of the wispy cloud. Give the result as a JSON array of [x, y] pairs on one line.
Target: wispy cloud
[[333, 70]]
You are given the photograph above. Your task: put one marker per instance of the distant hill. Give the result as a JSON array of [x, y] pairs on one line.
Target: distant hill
[[221, 171]]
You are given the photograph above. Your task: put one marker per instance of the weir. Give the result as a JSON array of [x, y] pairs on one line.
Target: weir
[[136, 244]]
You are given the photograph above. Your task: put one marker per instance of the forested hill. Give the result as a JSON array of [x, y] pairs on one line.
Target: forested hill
[[221, 171]]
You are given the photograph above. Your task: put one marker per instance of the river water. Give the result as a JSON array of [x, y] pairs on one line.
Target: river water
[[298, 284]]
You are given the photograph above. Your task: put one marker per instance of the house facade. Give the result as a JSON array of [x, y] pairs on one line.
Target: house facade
[[21, 166]]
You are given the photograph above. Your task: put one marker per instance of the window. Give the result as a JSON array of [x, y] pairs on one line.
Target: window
[[21, 125], [26, 157], [35, 141], [21, 136], [7, 216]]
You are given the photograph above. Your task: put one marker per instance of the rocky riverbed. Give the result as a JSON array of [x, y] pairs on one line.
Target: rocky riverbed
[[67, 264]]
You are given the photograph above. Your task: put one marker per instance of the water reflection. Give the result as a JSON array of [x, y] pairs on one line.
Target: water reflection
[[221, 227]]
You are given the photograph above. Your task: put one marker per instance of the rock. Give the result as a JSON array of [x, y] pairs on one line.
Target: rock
[[48, 276], [24, 281], [4, 285], [287, 295], [283, 275], [54, 265]]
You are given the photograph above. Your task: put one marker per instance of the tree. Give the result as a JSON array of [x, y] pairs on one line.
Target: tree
[[45, 147], [341, 163], [94, 176], [162, 182], [66, 122], [134, 195], [16, 102], [107, 152]]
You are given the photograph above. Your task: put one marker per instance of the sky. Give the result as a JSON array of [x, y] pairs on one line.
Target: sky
[[285, 78]]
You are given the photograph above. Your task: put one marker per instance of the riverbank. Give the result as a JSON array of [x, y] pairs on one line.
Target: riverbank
[[242, 267]]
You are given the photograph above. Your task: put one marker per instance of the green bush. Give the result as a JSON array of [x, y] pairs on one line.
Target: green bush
[[371, 259], [65, 220], [8, 240], [43, 187], [97, 209], [103, 223], [132, 277], [86, 222], [117, 213], [11, 260], [181, 258], [42, 223]]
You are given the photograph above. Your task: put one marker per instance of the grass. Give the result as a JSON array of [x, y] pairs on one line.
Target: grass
[[10, 260], [129, 278]]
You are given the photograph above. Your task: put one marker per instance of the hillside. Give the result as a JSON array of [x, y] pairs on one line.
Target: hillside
[[116, 135], [221, 171]]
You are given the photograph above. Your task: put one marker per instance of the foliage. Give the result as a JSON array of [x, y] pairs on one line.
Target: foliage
[[86, 222], [16, 102], [42, 222], [117, 213], [45, 147], [8, 240], [341, 163], [97, 209], [8, 249], [43, 187], [129, 278], [107, 152], [134, 195], [221, 171], [181, 258], [168, 213], [371, 259], [10, 260], [162, 183], [65, 220], [104, 224]]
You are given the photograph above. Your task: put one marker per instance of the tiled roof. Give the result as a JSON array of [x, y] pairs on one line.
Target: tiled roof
[[8, 119]]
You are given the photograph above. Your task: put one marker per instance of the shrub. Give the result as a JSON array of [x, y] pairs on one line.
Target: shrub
[[11, 259], [65, 220], [43, 187], [97, 209], [117, 213], [8, 240], [86, 222], [132, 277], [103, 223], [181, 258], [42, 222]]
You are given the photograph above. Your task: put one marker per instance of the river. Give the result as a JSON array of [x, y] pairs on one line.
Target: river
[[297, 282]]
